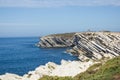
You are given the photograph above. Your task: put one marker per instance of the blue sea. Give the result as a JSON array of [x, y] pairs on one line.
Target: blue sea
[[20, 55]]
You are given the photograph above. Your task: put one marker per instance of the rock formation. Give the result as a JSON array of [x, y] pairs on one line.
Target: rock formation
[[57, 40], [96, 45], [86, 45]]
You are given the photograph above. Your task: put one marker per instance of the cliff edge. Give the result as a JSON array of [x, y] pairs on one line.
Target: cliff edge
[[96, 45], [86, 45], [56, 40]]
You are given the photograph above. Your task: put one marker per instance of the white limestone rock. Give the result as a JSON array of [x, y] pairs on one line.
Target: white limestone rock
[[9, 76]]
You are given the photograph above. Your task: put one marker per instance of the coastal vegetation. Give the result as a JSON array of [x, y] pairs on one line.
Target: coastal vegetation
[[107, 71], [55, 78], [65, 35]]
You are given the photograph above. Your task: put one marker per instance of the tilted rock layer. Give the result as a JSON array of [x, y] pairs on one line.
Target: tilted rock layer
[[57, 40], [86, 45], [96, 45]]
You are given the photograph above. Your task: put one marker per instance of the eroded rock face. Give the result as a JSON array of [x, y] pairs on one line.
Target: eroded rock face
[[58, 40], [96, 45], [49, 42], [86, 45]]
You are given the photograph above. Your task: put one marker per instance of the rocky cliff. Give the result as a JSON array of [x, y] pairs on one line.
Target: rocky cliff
[[86, 45], [96, 45], [56, 40]]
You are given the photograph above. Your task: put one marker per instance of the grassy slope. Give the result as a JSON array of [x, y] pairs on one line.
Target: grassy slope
[[65, 35], [109, 71]]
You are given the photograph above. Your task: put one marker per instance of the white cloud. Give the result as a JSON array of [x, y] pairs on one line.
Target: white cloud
[[57, 3]]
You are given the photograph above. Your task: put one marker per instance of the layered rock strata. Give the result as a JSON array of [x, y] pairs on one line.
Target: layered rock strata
[[86, 45], [57, 40], [96, 45]]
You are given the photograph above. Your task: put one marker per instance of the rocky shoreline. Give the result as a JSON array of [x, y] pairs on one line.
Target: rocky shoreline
[[90, 47], [67, 68], [86, 45]]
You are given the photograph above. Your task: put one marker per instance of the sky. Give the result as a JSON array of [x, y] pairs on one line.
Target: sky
[[25, 18]]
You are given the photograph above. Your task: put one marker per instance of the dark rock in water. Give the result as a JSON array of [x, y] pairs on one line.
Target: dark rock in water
[[86, 45]]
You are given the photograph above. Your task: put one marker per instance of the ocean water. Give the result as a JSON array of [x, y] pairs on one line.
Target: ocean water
[[20, 55]]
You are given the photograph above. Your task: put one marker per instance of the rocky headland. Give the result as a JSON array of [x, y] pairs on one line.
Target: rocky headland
[[90, 47], [56, 40], [86, 45]]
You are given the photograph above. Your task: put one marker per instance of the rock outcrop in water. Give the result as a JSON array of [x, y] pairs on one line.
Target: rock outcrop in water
[[57, 40]]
